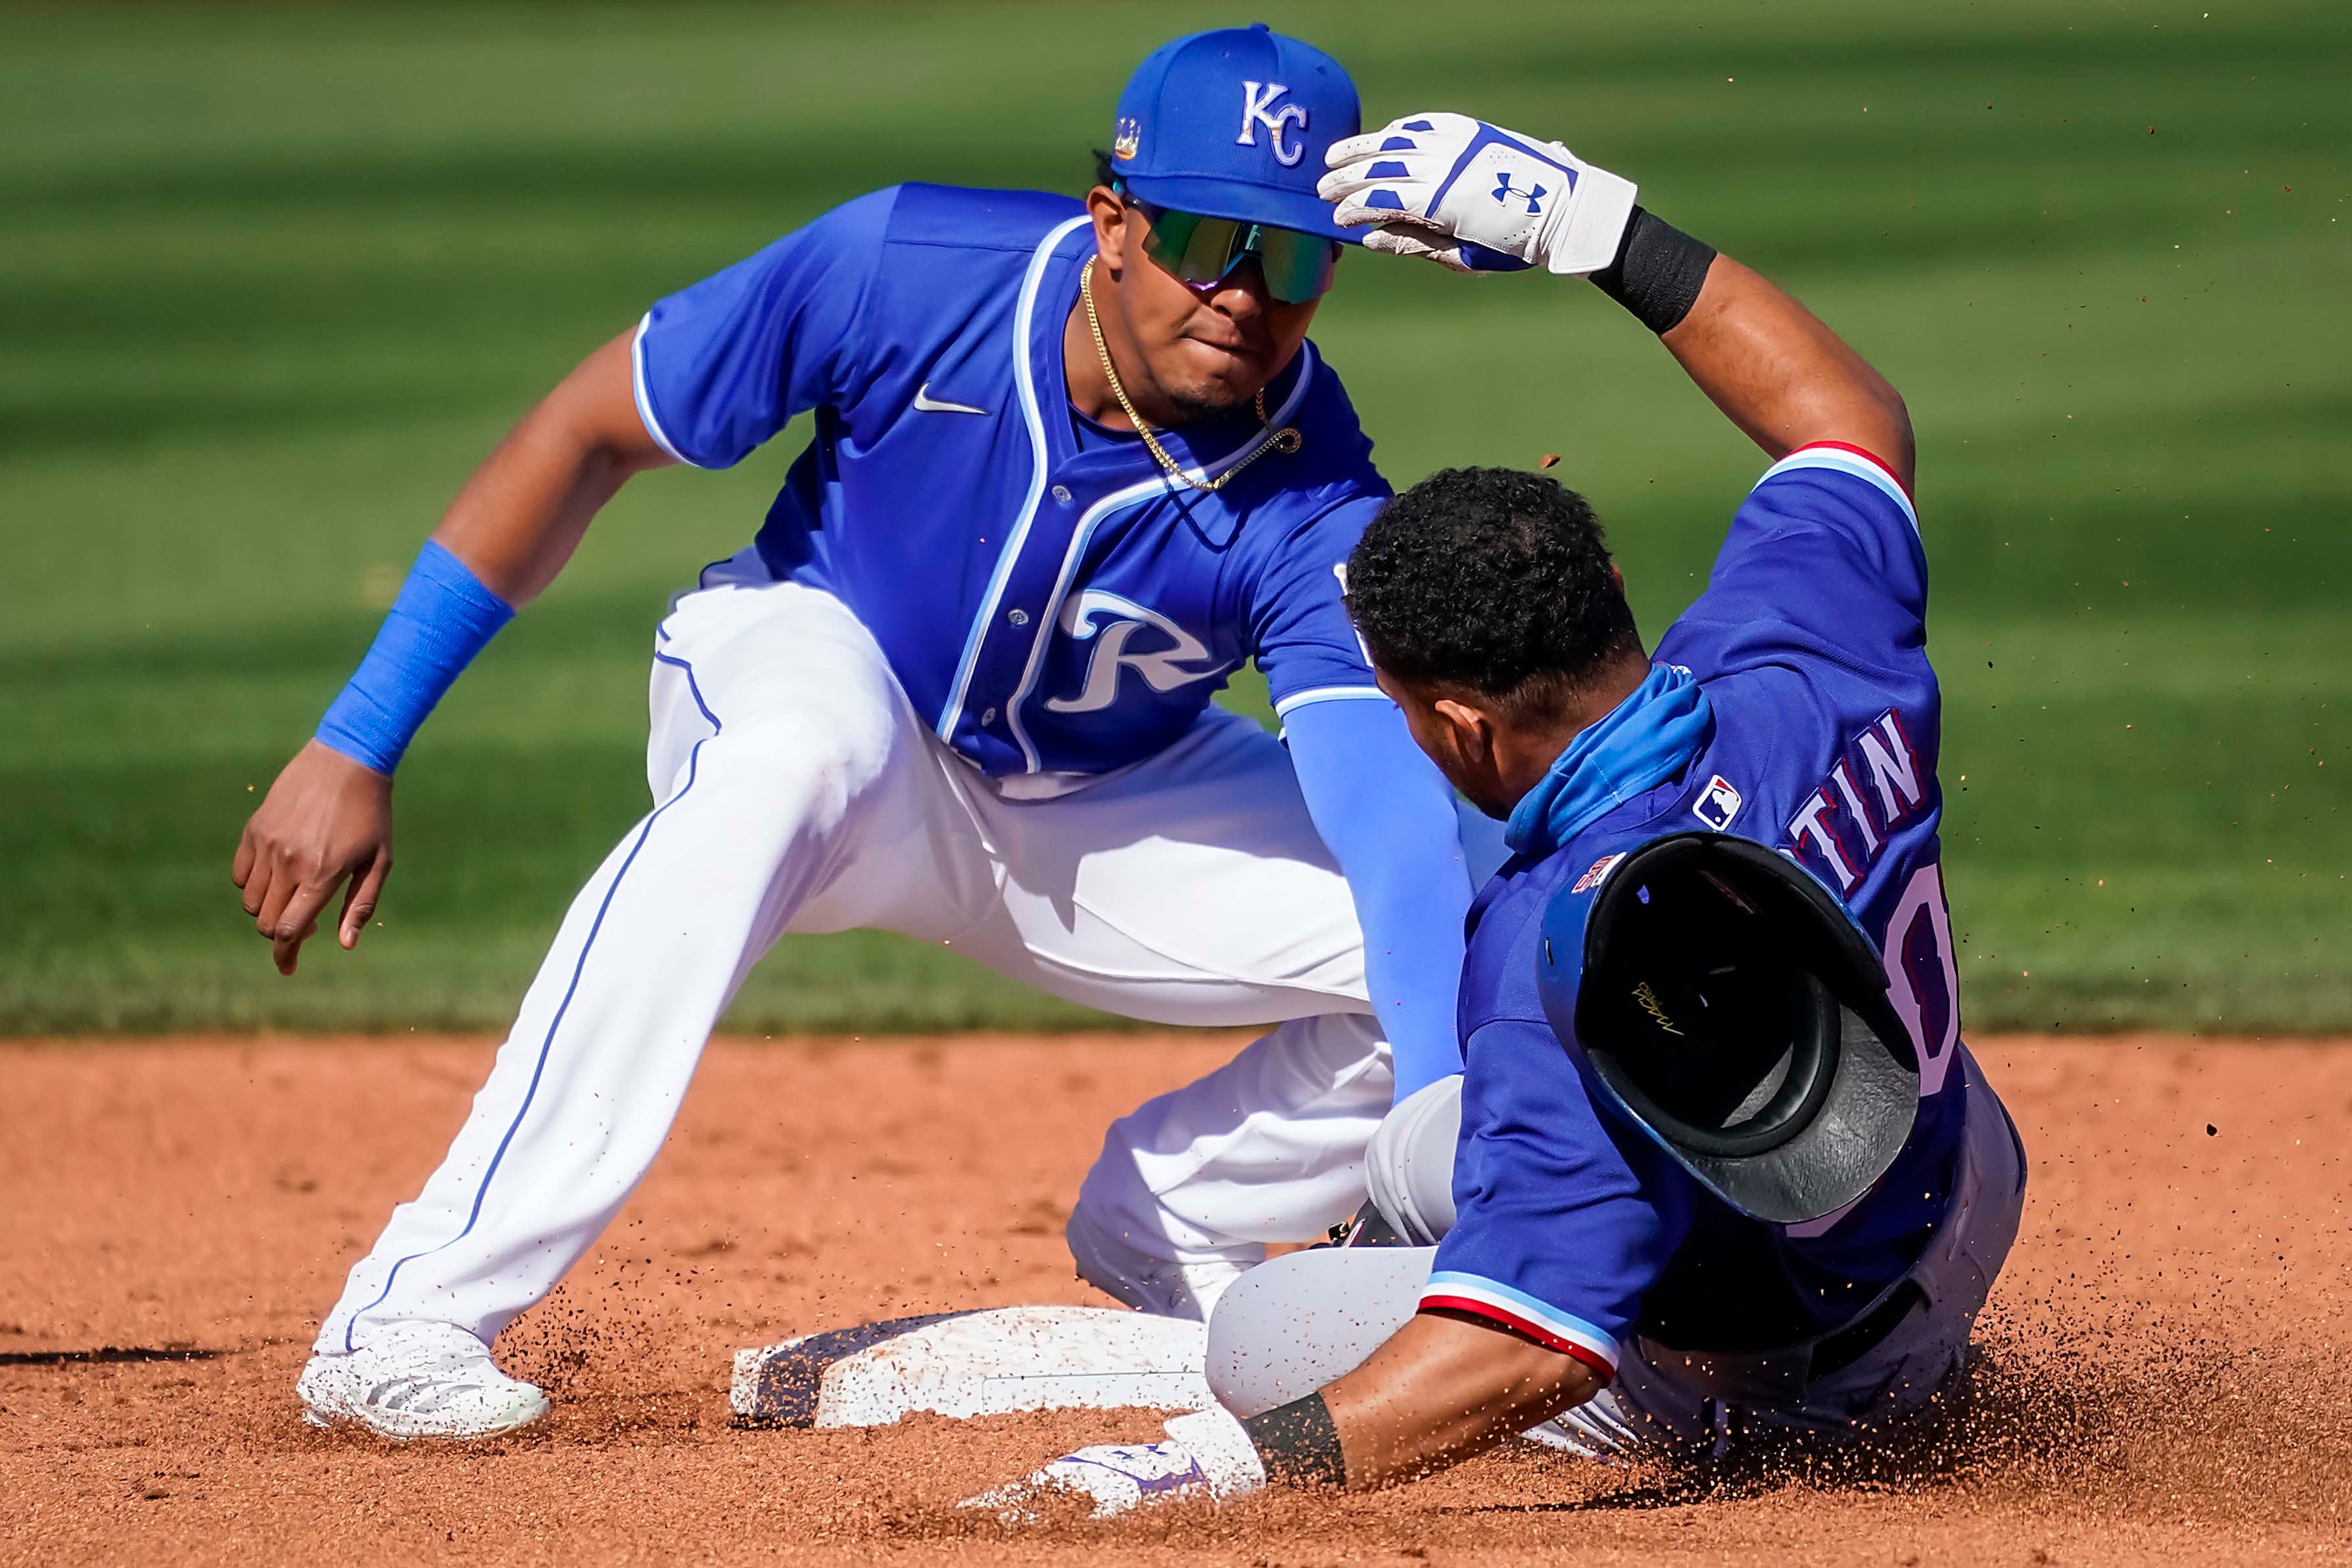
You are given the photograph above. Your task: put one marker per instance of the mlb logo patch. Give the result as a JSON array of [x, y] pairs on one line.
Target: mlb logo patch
[[1717, 804], [1594, 874]]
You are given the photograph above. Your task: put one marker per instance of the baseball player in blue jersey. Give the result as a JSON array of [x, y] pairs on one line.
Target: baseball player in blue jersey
[[1074, 463], [1718, 1171]]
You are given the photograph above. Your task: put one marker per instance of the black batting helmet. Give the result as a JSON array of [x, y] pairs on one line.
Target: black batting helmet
[[1722, 1000]]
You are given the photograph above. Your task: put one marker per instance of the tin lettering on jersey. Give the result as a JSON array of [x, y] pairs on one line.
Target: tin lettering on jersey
[[1875, 787]]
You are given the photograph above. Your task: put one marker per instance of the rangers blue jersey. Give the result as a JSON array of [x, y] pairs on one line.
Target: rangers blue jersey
[[1810, 646], [1050, 603]]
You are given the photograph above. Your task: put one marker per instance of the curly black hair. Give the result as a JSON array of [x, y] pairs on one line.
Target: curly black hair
[[1105, 171], [1490, 581]]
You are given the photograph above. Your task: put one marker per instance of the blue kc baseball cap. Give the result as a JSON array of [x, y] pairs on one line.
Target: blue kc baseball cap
[[1234, 124]]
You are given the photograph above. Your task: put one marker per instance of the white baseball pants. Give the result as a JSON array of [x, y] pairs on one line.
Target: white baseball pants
[[798, 791]]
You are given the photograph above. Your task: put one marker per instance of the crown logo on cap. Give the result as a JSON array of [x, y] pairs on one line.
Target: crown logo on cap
[[1129, 138]]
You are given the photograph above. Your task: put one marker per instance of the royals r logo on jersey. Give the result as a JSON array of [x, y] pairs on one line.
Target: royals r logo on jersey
[[1171, 656]]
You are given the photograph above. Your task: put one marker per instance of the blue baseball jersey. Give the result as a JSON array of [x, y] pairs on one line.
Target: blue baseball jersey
[[1051, 600], [1573, 1227]]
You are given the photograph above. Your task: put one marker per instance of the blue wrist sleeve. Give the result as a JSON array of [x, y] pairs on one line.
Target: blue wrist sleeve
[[443, 617]]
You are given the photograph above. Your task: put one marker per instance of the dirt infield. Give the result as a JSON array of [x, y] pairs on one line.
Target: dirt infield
[[2163, 1378]]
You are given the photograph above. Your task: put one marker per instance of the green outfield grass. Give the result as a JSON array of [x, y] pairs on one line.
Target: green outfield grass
[[272, 280]]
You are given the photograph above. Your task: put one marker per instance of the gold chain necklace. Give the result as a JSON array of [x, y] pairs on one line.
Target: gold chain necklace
[[1286, 440]]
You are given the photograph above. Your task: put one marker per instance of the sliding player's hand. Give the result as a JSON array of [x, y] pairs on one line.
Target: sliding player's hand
[[1204, 1455], [1476, 197]]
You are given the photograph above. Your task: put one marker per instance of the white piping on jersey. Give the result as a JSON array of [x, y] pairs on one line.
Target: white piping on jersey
[[1118, 500], [1844, 462], [645, 414], [1313, 694], [1023, 379]]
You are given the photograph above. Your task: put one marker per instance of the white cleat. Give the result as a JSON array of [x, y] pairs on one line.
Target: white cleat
[[418, 1380]]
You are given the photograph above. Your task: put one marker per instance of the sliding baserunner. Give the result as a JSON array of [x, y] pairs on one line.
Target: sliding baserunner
[[1074, 463], [1715, 1174]]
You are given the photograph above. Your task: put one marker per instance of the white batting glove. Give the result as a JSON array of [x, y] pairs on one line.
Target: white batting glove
[[1476, 197], [1205, 1454]]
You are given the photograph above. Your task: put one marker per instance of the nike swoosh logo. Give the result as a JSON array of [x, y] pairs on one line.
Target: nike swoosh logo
[[926, 404]]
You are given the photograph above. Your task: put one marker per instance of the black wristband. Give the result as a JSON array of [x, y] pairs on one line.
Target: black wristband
[[1298, 1443], [1658, 272]]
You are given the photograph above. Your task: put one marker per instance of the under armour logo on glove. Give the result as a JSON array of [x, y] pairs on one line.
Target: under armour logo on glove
[[1504, 194], [1476, 197]]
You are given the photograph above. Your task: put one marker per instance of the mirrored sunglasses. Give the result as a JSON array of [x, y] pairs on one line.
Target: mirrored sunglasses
[[1200, 251]]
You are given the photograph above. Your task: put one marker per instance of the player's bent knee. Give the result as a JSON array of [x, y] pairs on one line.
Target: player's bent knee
[[1108, 1259], [821, 748]]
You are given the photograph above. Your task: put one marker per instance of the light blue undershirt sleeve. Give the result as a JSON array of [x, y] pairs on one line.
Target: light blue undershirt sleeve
[[1387, 816]]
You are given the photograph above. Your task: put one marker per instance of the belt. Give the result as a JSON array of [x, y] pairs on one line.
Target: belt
[[1779, 1376], [1836, 1351]]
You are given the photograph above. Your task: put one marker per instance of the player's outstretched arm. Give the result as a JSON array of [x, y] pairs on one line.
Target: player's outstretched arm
[[1478, 198], [326, 820], [1778, 372], [1442, 1389], [526, 509], [1439, 1390]]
